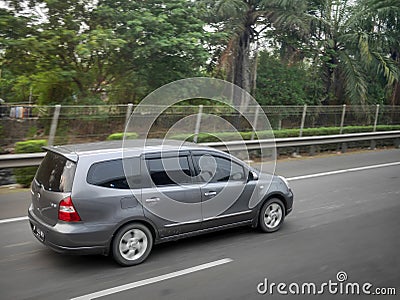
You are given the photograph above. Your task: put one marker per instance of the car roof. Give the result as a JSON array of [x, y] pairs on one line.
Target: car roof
[[133, 147]]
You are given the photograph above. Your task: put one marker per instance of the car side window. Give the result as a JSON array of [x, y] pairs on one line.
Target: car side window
[[112, 174], [169, 170], [218, 169]]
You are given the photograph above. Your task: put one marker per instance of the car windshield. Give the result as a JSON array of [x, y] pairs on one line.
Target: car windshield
[[56, 173]]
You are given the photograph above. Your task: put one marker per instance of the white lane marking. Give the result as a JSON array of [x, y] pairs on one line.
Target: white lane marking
[[321, 207], [148, 281], [342, 171], [18, 245], [3, 221]]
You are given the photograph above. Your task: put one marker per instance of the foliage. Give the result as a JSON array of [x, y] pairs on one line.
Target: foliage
[[350, 46], [122, 135], [30, 146], [117, 51], [163, 42], [246, 21], [24, 176], [282, 84], [92, 52]]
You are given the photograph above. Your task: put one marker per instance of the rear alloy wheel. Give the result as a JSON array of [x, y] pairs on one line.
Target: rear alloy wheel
[[272, 214], [132, 244]]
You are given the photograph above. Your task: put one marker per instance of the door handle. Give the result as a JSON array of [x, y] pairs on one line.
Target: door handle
[[207, 194], [154, 199]]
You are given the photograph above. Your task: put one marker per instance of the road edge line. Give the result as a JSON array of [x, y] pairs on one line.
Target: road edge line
[[342, 171]]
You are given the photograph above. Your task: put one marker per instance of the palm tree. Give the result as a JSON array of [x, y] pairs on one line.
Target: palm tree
[[347, 40], [384, 24], [245, 21], [350, 41]]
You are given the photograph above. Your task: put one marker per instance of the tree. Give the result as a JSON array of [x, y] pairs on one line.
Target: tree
[[58, 54], [87, 50], [301, 84], [383, 24], [348, 45], [13, 61], [346, 40], [246, 21], [164, 41]]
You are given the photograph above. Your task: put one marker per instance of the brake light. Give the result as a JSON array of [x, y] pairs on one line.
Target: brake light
[[67, 212]]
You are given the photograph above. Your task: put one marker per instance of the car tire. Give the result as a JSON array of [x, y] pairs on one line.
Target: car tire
[[132, 244], [271, 215]]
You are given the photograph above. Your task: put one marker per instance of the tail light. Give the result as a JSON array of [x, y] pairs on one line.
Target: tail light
[[67, 211]]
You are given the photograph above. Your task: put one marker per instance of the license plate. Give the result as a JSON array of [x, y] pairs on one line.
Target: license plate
[[38, 233]]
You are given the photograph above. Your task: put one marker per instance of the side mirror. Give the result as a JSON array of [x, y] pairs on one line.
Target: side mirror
[[253, 175]]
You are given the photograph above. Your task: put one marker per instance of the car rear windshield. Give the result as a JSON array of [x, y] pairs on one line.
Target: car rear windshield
[[56, 173]]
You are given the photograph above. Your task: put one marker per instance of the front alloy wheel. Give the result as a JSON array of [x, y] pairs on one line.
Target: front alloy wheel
[[272, 215], [132, 244]]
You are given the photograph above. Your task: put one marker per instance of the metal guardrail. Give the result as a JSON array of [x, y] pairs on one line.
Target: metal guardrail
[[34, 159], [21, 160], [303, 141]]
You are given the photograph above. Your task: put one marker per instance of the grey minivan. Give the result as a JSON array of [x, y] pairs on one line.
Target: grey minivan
[[105, 199]]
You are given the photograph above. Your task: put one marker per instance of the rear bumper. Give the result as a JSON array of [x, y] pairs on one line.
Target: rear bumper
[[72, 238]]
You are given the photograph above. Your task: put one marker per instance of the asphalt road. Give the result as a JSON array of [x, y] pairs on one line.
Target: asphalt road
[[341, 222]]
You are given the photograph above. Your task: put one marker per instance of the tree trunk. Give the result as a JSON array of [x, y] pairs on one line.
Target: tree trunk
[[395, 96], [333, 86], [82, 90], [254, 74], [242, 69]]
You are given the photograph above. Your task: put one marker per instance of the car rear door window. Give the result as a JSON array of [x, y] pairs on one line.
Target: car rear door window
[[112, 174], [169, 170]]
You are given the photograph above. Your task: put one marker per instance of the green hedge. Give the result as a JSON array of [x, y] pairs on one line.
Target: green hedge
[[120, 136], [284, 133], [332, 130], [24, 176]]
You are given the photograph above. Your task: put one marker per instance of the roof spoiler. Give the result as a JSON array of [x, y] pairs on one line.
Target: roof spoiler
[[63, 152]]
